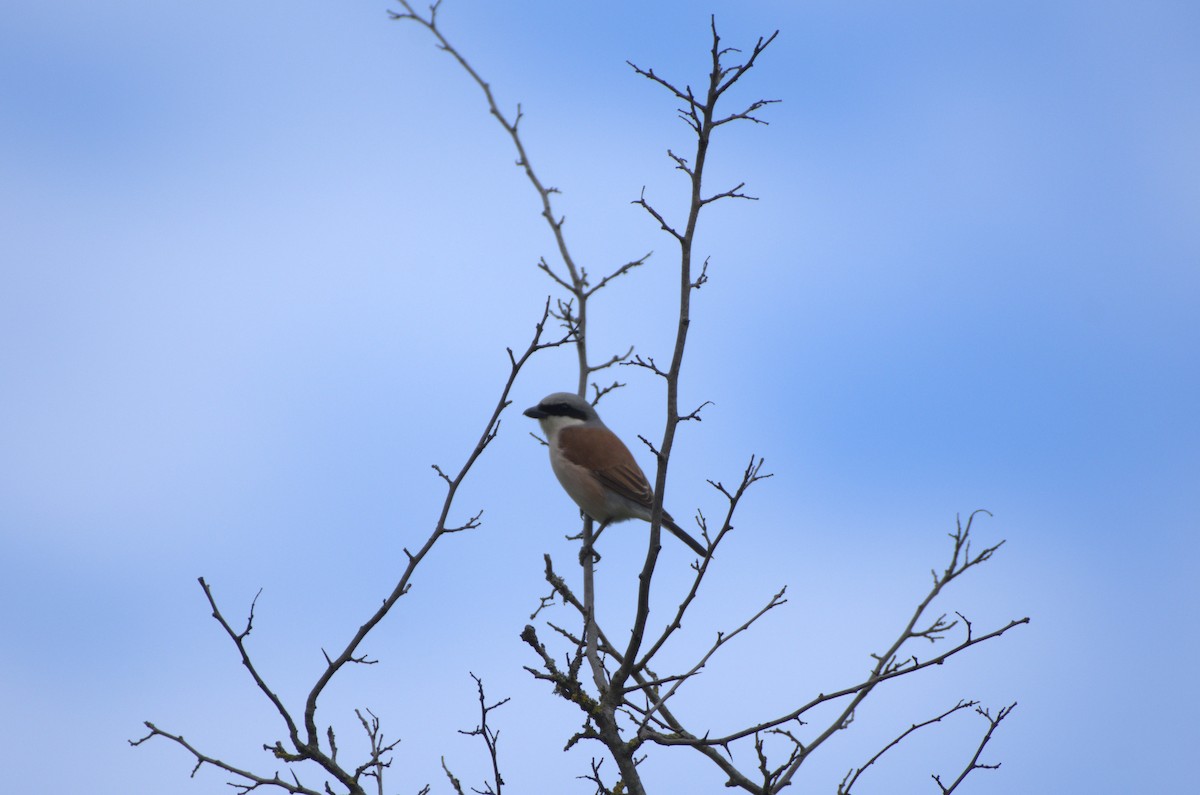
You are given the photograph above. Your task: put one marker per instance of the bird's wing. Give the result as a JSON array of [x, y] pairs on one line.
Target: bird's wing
[[609, 460]]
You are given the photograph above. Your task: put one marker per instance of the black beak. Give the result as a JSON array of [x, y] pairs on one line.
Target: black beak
[[534, 412]]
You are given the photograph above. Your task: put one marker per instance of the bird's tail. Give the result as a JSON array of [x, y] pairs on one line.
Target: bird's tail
[[683, 535]]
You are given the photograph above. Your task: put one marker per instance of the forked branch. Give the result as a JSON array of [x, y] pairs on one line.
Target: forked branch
[[307, 744], [975, 764], [576, 281], [853, 774]]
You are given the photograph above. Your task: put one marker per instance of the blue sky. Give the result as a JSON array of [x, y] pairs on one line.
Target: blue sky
[[261, 261]]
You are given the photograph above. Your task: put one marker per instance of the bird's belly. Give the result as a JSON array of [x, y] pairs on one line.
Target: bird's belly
[[588, 493]]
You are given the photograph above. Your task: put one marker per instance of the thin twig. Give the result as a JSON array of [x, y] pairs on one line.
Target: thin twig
[[853, 774], [974, 764]]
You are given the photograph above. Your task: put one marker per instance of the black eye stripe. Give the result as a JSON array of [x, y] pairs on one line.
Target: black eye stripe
[[563, 410]]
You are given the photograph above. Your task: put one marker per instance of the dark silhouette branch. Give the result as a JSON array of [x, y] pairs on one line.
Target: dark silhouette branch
[[201, 759], [490, 738], [306, 740], [974, 764], [853, 774], [576, 283], [441, 528]]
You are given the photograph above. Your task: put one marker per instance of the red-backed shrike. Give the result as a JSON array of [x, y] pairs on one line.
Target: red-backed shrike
[[595, 467]]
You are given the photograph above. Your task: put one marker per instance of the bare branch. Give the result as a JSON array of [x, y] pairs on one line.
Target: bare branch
[[615, 359], [749, 477], [490, 738], [454, 782], [695, 413], [974, 764], [543, 265], [307, 743], [254, 780], [594, 777], [576, 281], [721, 639], [853, 774], [736, 778], [376, 763], [730, 75], [681, 164], [600, 393], [648, 363], [621, 271], [702, 279], [686, 95], [239, 639], [441, 528], [662, 222], [732, 193], [886, 667]]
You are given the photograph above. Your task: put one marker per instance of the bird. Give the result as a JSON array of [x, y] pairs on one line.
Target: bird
[[595, 467]]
